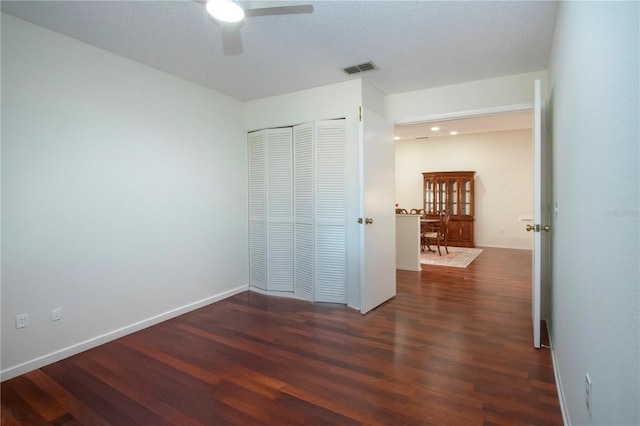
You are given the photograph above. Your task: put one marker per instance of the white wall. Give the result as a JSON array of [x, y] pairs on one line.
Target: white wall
[[124, 195], [595, 322], [471, 98], [503, 162], [408, 242]]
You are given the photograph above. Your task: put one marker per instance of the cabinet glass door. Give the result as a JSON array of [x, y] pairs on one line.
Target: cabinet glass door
[[428, 196], [465, 197], [452, 197], [441, 195]]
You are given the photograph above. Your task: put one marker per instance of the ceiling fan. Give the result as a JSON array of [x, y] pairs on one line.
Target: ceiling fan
[[230, 14]]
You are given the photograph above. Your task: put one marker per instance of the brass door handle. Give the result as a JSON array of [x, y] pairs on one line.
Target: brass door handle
[[538, 228], [368, 221], [360, 220]]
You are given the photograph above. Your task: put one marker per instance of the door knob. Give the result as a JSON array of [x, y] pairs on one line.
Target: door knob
[[530, 228], [546, 228], [360, 220], [368, 221]]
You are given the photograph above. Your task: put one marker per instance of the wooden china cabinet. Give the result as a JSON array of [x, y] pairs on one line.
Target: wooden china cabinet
[[451, 192]]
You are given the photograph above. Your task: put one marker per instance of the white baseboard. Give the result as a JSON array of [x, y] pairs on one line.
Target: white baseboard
[[288, 294], [504, 247], [409, 268], [74, 349], [561, 399]]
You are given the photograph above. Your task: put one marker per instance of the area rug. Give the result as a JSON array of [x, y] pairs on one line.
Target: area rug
[[458, 257]]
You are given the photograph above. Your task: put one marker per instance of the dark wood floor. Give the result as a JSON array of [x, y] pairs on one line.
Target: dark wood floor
[[452, 348]]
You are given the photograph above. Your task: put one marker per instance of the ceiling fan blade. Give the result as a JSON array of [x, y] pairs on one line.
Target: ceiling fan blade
[[275, 7], [231, 41], [262, 4], [285, 10]]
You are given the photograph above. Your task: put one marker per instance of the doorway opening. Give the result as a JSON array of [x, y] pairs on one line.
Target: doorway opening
[[497, 146]]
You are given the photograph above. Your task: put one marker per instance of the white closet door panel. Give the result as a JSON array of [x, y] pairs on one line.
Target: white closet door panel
[[257, 177], [280, 256], [279, 160], [303, 265], [331, 264], [279, 173], [257, 255], [303, 210], [330, 212], [303, 171], [257, 210], [330, 170]]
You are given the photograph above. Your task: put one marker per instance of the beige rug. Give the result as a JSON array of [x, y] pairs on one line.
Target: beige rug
[[458, 257]]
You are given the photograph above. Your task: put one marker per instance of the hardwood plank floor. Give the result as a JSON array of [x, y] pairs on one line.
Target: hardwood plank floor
[[454, 347]]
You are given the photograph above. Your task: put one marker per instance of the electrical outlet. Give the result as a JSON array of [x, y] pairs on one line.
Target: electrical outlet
[[587, 392], [22, 320], [56, 314]]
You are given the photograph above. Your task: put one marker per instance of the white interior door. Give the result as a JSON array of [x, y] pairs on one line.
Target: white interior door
[[540, 226], [378, 247]]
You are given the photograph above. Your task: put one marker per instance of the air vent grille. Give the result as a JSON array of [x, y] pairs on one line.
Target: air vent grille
[[354, 69]]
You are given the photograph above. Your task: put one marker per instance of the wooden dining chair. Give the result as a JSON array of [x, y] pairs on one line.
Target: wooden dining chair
[[438, 236], [401, 211], [417, 211]]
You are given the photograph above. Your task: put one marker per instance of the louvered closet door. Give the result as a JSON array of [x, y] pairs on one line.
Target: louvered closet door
[[303, 210], [330, 212], [279, 156], [257, 210]]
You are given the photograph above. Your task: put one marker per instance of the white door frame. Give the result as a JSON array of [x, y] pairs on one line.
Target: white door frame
[[477, 113], [465, 114]]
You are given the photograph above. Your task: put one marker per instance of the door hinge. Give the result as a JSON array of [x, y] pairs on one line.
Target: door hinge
[[360, 114]]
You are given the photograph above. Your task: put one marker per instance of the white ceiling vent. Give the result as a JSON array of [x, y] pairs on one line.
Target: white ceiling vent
[[354, 69]]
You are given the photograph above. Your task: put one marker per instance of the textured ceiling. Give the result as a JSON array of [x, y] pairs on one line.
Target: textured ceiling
[[415, 44]]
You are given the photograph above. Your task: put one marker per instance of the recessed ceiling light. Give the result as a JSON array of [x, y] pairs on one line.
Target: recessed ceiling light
[[453, 133], [396, 138], [435, 128]]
